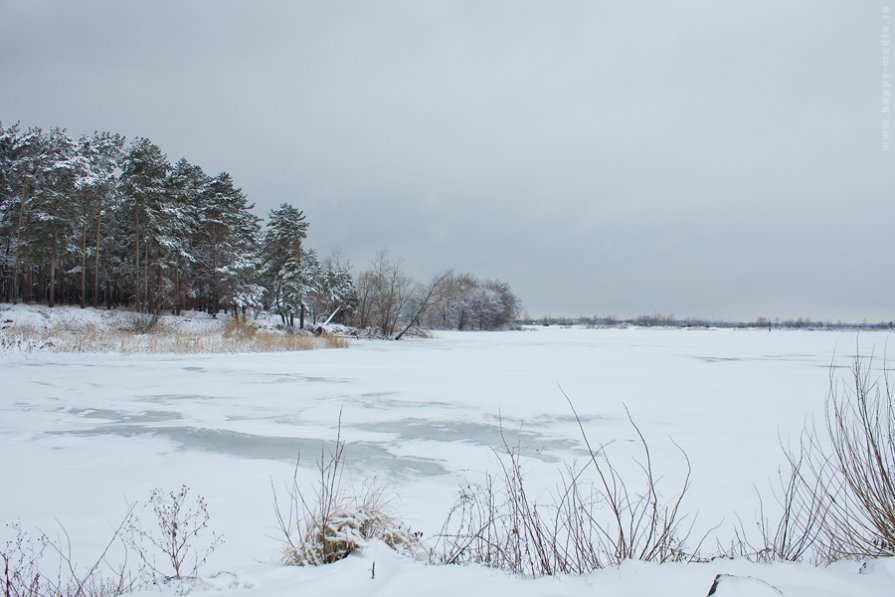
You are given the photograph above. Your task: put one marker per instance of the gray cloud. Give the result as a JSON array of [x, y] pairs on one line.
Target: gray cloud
[[696, 157]]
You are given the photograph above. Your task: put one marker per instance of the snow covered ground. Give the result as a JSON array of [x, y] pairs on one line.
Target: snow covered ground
[[84, 435]]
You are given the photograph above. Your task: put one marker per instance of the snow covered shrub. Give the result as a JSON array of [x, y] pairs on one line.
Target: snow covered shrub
[[374, 521], [326, 537], [180, 519], [592, 520], [333, 523]]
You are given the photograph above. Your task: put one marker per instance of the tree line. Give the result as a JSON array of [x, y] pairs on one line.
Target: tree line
[[101, 221]]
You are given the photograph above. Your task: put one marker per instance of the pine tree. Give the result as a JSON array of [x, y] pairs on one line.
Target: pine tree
[[10, 142], [187, 185], [101, 154], [144, 201], [23, 164], [282, 257], [50, 209], [226, 244]]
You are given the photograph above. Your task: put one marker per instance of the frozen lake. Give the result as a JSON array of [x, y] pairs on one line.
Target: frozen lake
[[83, 435]]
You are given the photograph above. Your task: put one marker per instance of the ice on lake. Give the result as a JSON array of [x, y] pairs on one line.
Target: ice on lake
[[84, 435]]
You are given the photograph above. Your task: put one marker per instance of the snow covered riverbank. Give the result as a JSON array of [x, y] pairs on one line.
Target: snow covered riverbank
[[37, 328]]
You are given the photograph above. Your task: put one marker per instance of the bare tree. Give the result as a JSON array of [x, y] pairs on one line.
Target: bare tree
[[384, 292], [425, 297]]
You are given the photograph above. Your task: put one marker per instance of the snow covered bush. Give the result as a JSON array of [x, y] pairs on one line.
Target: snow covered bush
[[334, 523], [326, 536]]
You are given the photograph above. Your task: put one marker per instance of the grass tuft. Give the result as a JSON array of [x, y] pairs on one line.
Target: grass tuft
[[334, 523]]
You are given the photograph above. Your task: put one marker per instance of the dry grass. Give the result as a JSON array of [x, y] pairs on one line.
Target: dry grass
[[239, 329], [268, 341]]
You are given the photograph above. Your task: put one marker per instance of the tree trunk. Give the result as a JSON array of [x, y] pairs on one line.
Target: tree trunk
[[15, 276], [84, 267], [61, 268], [139, 303], [146, 275], [330, 318], [177, 290], [215, 290], [99, 226], [7, 282], [51, 302]]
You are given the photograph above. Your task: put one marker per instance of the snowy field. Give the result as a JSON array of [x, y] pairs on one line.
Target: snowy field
[[84, 435]]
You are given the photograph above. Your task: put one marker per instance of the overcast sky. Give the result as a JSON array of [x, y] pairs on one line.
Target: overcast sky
[[700, 158]]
